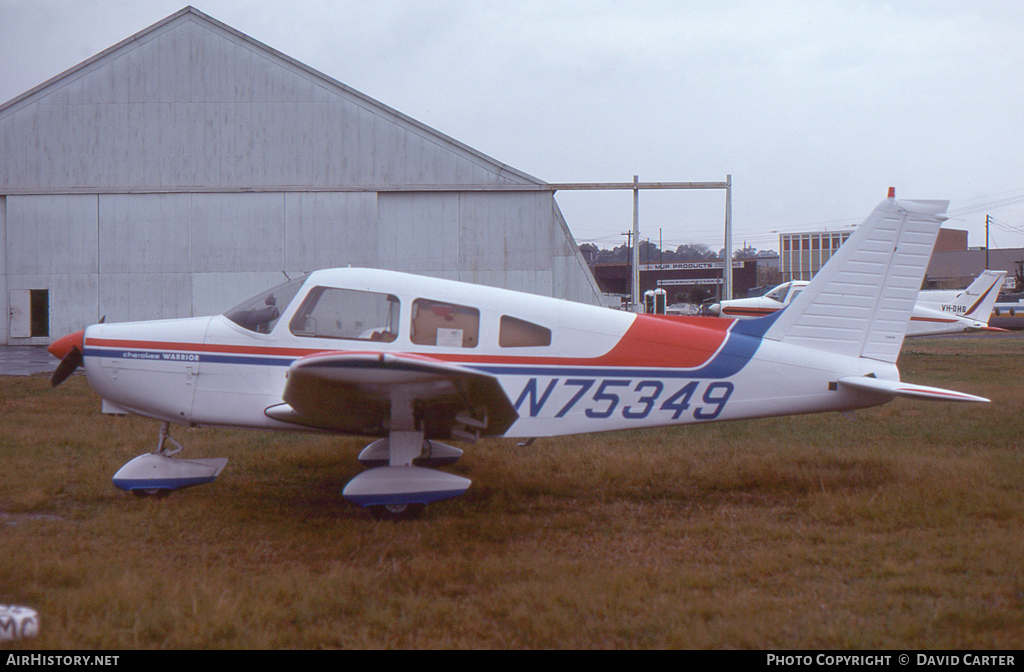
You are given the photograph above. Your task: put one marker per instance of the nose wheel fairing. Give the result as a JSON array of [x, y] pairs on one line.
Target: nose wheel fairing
[[157, 473]]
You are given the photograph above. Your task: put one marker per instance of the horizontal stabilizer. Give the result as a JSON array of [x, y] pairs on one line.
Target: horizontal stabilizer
[[895, 388]]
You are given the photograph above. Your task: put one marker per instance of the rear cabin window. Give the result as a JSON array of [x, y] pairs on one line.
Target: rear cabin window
[[329, 312], [444, 324], [516, 333]]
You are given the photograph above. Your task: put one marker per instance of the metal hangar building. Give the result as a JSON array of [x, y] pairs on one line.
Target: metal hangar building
[[191, 166]]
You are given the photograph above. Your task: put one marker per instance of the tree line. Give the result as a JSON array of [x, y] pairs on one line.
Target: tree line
[[650, 253]]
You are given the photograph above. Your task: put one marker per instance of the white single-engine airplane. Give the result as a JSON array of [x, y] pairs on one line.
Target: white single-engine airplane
[[935, 311], [416, 360]]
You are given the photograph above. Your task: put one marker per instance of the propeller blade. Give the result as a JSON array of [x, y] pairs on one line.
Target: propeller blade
[[71, 361], [69, 350]]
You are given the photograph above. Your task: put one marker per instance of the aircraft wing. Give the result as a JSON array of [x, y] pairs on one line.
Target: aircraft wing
[[895, 388], [354, 393]]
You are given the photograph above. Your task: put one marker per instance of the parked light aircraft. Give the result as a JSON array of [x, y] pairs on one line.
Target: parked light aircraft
[[935, 311], [416, 360]]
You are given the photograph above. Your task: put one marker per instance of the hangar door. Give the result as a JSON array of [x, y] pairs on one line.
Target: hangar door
[[30, 313]]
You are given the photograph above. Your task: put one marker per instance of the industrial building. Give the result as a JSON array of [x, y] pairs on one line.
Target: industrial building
[[803, 254], [956, 268], [191, 166], [953, 264]]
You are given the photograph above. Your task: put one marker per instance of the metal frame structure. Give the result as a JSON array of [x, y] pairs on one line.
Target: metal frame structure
[[636, 185]]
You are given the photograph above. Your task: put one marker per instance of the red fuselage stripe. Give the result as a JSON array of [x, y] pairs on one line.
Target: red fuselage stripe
[[931, 319], [651, 341], [748, 312]]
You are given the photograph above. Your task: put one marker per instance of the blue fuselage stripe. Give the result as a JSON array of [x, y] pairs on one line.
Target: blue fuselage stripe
[[164, 356], [739, 348]]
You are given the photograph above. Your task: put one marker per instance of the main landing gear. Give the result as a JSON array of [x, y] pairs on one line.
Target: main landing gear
[[402, 480], [157, 475]]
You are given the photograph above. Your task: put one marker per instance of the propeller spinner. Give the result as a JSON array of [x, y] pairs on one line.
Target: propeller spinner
[[69, 349]]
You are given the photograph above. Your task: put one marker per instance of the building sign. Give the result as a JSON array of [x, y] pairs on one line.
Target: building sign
[[689, 281], [689, 266]]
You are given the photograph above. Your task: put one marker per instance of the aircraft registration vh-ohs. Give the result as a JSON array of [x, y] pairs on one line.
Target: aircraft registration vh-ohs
[[417, 360], [935, 312]]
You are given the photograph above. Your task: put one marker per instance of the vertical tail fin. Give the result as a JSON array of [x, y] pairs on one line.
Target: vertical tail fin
[[977, 300], [859, 304]]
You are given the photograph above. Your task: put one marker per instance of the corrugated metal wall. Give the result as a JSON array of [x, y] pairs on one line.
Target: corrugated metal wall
[[4, 305], [154, 256], [189, 167]]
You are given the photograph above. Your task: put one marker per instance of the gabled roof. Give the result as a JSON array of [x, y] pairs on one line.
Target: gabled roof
[[190, 14]]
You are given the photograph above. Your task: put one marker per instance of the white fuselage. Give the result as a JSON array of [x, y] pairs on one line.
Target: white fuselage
[[602, 369]]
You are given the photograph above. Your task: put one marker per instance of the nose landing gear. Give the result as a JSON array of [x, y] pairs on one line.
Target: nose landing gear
[[156, 474]]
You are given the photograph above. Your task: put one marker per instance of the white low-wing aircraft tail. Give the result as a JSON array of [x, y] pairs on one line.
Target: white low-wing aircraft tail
[[860, 303], [417, 361], [944, 312]]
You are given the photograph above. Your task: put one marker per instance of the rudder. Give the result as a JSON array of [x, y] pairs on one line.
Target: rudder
[[859, 304]]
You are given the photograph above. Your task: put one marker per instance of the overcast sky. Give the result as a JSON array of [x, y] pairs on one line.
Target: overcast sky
[[815, 108]]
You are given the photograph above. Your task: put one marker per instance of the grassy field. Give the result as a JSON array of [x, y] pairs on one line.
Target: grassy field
[[901, 526]]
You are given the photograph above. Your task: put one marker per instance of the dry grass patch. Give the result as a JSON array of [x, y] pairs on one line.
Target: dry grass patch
[[898, 528]]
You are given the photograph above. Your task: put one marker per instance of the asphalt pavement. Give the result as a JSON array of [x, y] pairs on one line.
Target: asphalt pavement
[[25, 360]]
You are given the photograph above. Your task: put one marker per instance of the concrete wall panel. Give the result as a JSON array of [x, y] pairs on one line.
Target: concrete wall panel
[[510, 231], [237, 232], [326, 230], [145, 233], [52, 234], [419, 233], [125, 297]]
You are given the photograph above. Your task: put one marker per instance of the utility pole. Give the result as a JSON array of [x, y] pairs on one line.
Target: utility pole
[[727, 265], [636, 244], [988, 220], [629, 258]]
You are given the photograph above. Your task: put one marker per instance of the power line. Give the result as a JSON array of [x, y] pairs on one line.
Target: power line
[[990, 205], [1003, 226]]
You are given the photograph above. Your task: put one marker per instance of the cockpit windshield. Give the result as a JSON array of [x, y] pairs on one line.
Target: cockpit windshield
[[779, 293], [261, 312]]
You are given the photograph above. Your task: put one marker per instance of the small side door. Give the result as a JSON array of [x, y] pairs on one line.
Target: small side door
[[21, 313]]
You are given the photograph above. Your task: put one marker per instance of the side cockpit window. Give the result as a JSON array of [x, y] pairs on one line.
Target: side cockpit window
[[444, 324], [516, 333], [329, 312], [261, 312]]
